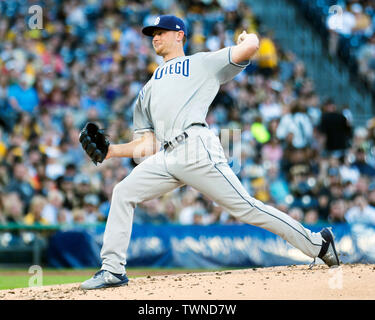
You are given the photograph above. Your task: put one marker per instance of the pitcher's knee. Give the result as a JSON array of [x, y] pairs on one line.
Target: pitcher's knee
[[122, 191]]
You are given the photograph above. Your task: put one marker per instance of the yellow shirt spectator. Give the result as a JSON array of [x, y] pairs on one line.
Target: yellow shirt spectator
[[267, 54], [116, 35], [3, 150], [30, 219], [260, 189], [35, 214]]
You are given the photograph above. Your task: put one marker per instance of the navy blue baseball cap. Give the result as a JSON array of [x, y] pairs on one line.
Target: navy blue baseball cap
[[166, 22]]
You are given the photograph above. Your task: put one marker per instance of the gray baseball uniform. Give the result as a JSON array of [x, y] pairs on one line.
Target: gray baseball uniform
[[177, 96]]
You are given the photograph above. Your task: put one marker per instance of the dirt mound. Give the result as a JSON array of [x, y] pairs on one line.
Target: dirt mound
[[286, 282]]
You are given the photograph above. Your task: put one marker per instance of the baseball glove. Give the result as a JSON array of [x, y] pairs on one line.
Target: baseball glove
[[94, 142]]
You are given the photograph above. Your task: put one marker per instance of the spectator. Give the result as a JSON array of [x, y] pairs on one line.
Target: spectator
[[216, 214], [349, 190], [170, 211], [152, 213], [260, 189], [79, 216], [20, 184], [259, 131], [272, 151], [198, 216], [3, 219], [272, 127], [82, 188], [348, 173], [335, 128], [186, 216], [270, 109], [91, 212], [278, 186], [361, 212], [93, 101], [66, 185], [140, 213], [22, 96], [296, 164], [4, 176], [337, 209], [286, 66], [13, 208], [296, 126], [155, 213], [267, 56], [311, 216], [361, 164], [3, 147], [362, 19], [105, 196], [296, 214], [360, 137], [8, 116], [366, 61], [34, 216], [324, 199], [53, 209]]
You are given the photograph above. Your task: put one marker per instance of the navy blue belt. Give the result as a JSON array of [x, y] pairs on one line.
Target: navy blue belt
[[175, 141], [180, 138]]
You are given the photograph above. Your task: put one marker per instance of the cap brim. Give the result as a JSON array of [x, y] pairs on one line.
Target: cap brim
[[149, 31]]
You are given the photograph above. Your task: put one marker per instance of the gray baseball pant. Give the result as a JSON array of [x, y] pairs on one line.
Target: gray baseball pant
[[199, 162]]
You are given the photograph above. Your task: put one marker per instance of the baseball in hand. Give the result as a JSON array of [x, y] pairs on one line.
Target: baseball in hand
[[251, 37], [241, 37]]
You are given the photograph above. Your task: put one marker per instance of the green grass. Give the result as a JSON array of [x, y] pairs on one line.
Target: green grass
[[12, 282], [19, 278]]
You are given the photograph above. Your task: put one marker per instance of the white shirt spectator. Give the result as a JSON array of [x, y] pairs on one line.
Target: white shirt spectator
[[77, 17], [358, 215], [270, 110], [299, 124], [366, 56], [91, 217], [50, 213], [341, 23], [348, 173], [52, 209], [186, 216]]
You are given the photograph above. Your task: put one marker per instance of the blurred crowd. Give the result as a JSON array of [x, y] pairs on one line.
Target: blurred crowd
[[89, 62], [357, 23], [351, 32]]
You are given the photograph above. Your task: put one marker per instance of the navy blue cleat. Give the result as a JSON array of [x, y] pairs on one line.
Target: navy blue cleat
[[105, 279], [328, 251]]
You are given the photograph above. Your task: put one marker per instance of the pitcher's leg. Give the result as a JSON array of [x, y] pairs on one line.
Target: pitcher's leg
[[148, 180], [218, 182], [222, 185]]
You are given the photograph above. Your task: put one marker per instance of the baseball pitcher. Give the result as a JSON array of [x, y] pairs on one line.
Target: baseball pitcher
[[171, 109]]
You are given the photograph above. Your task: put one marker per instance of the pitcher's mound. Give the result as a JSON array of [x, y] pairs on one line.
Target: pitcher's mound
[[286, 282]]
